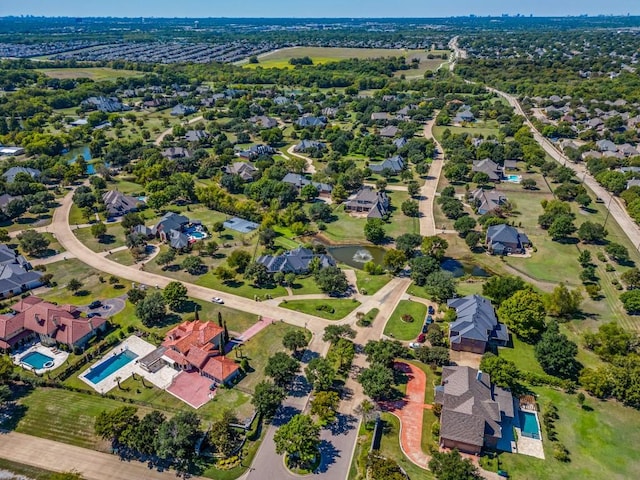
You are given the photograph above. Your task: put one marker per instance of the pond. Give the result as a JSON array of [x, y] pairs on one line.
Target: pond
[[357, 255], [83, 150], [459, 269]]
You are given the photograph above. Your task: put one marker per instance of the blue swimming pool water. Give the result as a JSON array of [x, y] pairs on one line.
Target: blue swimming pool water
[[36, 360], [110, 365], [529, 424], [513, 178]]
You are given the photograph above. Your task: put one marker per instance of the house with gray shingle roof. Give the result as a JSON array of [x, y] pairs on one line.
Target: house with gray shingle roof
[[10, 175], [118, 204], [16, 274], [389, 132], [374, 203], [487, 200], [311, 121], [394, 164], [476, 325], [246, 171], [505, 239], [491, 168], [262, 121], [307, 145], [473, 410], [195, 136], [296, 261], [299, 181]]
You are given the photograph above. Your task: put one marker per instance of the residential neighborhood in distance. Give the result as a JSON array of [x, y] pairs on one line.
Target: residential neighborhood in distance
[[331, 248]]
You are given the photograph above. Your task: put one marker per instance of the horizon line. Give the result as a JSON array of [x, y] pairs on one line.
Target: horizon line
[[469, 15]]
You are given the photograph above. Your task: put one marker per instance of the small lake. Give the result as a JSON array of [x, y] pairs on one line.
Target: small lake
[[83, 150], [357, 255], [459, 269]]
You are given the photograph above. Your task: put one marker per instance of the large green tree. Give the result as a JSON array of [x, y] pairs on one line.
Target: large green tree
[[374, 230], [320, 373], [500, 288], [33, 243], [175, 294], [451, 466], [151, 310], [557, 354], [377, 382], [282, 368], [524, 314], [294, 340], [266, 398], [331, 280], [299, 439]]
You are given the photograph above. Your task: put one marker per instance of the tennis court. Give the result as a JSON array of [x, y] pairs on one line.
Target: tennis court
[[240, 225]]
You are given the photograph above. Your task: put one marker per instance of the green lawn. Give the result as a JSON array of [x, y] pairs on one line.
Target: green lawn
[[305, 286], [602, 440], [33, 473], [114, 238], [401, 330], [370, 283], [341, 307], [390, 448], [94, 73], [53, 249], [123, 257], [258, 350]]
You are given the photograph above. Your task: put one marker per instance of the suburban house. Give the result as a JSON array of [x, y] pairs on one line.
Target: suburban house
[[6, 199], [11, 151], [510, 165], [182, 110], [199, 345], [299, 181], [487, 201], [105, 104], [473, 410], [389, 132], [394, 164], [170, 229], [254, 151], [505, 239], [491, 168], [367, 200], [295, 261], [329, 112], [196, 136], [476, 325], [307, 145], [381, 116], [16, 274], [119, 204], [464, 115], [53, 324], [176, 152], [311, 121], [400, 142], [246, 171], [10, 175], [262, 121]]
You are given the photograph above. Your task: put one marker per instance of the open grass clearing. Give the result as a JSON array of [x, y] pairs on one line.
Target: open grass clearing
[[114, 238], [399, 329], [94, 73], [370, 283], [331, 309]]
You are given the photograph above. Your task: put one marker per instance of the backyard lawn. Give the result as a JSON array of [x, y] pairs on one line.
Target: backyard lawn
[[370, 283], [390, 448], [331, 309], [401, 330]]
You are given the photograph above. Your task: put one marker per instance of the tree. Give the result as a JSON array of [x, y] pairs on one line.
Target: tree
[[130, 220], [224, 274], [239, 260], [464, 225], [528, 184], [631, 301], [282, 368], [436, 336], [617, 252], [324, 406], [501, 288], [377, 382], [408, 242], [383, 352], [422, 267], [165, 258], [503, 372], [151, 310], [472, 239], [294, 340], [611, 340], [440, 285], [584, 258], [175, 294], [309, 192], [320, 373], [435, 247], [451, 207], [299, 439], [333, 333], [320, 211], [374, 230], [331, 280], [222, 436], [177, 439], [557, 354], [563, 302], [33, 243], [110, 425], [258, 274], [583, 199], [438, 356], [6, 368], [98, 230], [590, 232], [394, 260], [524, 314], [562, 227], [451, 466], [193, 265], [4, 235], [146, 432], [267, 397], [413, 188], [410, 208], [631, 278], [74, 285]]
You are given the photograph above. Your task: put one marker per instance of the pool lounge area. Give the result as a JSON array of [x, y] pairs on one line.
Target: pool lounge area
[[38, 358], [195, 233]]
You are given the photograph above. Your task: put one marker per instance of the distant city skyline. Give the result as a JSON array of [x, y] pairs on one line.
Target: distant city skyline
[[323, 9]]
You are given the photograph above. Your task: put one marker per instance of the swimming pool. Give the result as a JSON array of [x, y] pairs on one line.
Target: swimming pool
[[514, 178], [111, 365], [195, 233], [529, 424], [37, 360]]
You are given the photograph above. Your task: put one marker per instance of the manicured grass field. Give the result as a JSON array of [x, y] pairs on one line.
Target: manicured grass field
[[114, 238], [401, 330], [305, 286], [341, 307], [390, 448], [602, 440], [33, 473], [370, 283], [259, 348], [94, 73]]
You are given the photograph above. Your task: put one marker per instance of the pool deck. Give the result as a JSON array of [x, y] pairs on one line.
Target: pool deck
[[161, 379], [527, 445], [58, 358]]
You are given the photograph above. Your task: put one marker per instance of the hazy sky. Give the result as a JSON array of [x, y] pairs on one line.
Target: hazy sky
[[312, 8]]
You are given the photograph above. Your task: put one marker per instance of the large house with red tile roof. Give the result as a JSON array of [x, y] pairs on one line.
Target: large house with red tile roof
[[53, 324], [199, 345]]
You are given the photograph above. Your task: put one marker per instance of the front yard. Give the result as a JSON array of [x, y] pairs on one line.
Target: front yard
[[331, 309], [406, 330]]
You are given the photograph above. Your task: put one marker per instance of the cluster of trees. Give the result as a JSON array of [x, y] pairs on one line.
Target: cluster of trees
[[379, 379]]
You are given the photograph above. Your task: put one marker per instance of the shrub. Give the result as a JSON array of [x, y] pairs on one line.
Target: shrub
[[560, 452], [325, 308], [407, 318], [610, 268]]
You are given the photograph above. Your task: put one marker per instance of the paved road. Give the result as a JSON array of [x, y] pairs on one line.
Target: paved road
[[430, 187], [169, 131], [311, 168], [60, 457]]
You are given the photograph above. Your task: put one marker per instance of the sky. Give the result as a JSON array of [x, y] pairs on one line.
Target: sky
[[313, 8]]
